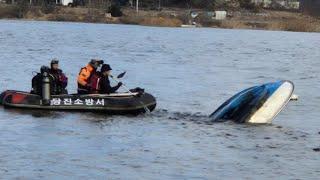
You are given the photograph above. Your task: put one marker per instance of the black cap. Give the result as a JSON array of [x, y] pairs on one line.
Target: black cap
[[54, 61], [96, 62], [105, 67], [93, 61]]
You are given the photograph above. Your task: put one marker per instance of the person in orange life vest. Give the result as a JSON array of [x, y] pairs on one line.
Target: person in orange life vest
[[104, 83], [84, 76]]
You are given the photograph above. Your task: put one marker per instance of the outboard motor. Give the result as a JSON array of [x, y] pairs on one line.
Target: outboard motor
[[45, 87]]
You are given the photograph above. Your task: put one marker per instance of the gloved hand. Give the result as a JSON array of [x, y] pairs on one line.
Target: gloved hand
[[120, 84]]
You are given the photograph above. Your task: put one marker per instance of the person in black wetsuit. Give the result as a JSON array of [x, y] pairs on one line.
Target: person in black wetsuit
[[59, 79], [104, 84]]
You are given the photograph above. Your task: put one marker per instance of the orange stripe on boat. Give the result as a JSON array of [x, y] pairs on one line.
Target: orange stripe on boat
[[18, 98]]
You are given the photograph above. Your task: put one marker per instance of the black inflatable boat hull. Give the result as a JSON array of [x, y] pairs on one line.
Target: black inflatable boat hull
[[122, 103]]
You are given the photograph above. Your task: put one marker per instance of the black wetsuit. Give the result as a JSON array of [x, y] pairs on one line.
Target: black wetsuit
[[59, 82], [105, 87]]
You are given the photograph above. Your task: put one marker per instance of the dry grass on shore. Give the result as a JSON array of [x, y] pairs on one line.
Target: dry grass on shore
[[161, 21], [299, 25], [233, 24], [296, 25], [151, 21]]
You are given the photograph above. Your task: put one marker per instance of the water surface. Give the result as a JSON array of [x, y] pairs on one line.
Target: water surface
[[191, 72]]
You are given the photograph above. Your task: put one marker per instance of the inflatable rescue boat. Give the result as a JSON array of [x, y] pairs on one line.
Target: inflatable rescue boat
[[117, 103]]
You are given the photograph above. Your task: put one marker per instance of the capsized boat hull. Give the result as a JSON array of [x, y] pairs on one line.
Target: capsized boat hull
[[118, 103], [258, 104]]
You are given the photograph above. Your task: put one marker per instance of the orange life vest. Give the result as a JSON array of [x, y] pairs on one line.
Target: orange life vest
[[84, 75]]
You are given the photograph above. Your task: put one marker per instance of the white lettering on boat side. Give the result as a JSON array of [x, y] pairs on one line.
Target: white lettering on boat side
[[78, 102], [55, 101], [89, 102], [70, 101], [100, 102], [67, 101]]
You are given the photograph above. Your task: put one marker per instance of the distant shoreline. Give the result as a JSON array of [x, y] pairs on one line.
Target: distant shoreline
[[265, 20]]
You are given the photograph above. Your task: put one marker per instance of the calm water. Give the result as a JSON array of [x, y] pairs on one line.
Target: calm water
[[191, 72]]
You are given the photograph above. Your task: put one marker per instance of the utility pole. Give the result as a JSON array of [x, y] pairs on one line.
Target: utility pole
[[137, 6]]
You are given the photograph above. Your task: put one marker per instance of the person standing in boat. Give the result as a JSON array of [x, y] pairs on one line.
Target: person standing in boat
[[59, 79], [104, 83], [84, 85]]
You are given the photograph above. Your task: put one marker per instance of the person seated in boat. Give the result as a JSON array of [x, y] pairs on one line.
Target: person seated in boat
[[84, 85], [37, 81], [59, 80], [104, 83], [94, 82]]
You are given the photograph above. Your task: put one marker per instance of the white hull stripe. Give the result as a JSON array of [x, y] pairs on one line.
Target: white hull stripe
[[273, 105]]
